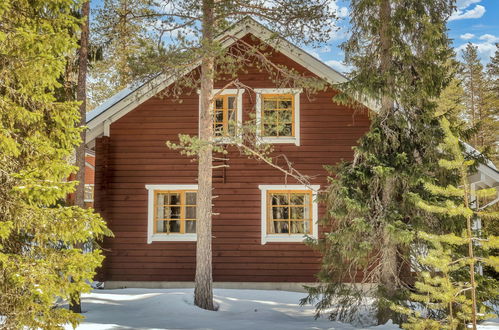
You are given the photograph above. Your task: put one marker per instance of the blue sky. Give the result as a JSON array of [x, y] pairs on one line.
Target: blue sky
[[475, 21]]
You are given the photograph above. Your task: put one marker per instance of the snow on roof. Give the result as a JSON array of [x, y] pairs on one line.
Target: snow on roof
[[474, 152], [112, 101]]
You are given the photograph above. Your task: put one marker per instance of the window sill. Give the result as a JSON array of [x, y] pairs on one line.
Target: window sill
[[225, 140], [172, 238], [284, 238], [283, 140]]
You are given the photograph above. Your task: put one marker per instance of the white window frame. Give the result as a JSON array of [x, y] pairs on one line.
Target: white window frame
[[239, 109], [288, 238], [93, 193], [155, 237], [278, 139]]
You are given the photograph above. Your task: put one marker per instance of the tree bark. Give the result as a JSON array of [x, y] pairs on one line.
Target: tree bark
[[386, 59], [81, 96], [467, 194], [203, 292], [388, 268]]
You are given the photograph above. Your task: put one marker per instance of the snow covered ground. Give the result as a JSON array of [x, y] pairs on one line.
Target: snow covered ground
[[174, 309]]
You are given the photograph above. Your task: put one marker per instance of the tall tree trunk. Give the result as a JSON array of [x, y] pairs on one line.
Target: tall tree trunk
[[81, 95], [386, 59], [472, 97], [203, 293], [388, 270], [469, 232]]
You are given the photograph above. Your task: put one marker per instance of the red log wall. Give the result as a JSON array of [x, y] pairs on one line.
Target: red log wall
[[135, 154]]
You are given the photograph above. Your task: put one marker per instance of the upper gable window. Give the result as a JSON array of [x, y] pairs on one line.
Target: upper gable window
[[278, 115], [225, 115]]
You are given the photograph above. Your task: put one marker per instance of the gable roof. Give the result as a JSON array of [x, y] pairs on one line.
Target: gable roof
[[99, 119], [487, 175]]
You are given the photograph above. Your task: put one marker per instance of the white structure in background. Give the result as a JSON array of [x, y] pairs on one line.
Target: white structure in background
[[486, 176]]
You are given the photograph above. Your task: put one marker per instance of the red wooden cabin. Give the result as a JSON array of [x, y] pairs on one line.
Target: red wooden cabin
[[146, 192]]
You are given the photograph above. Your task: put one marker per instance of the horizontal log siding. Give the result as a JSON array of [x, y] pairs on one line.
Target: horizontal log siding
[[137, 155]]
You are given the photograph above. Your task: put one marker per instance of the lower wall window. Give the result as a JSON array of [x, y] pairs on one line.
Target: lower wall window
[[171, 213], [288, 212]]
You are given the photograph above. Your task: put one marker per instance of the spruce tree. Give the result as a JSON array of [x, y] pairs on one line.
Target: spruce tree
[[400, 57], [119, 31], [38, 133], [447, 290]]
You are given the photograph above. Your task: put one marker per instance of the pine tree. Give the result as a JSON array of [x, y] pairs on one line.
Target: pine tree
[[81, 96], [480, 113], [400, 57], [38, 133], [188, 49], [448, 294], [117, 37]]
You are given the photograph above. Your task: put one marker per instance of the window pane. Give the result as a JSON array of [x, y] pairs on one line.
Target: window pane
[[160, 209], [270, 116], [190, 226], [269, 104], [190, 198], [280, 199], [297, 213], [297, 227], [297, 199], [231, 102], [219, 116], [287, 130], [270, 130], [161, 198], [174, 226], [89, 192], [160, 226], [232, 115], [281, 213], [174, 199], [279, 227], [306, 225], [285, 116], [218, 129], [190, 212], [219, 103], [285, 104], [172, 212]]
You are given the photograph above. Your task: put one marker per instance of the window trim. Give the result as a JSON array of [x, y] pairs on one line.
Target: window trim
[[239, 109], [265, 238], [296, 112], [151, 212]]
